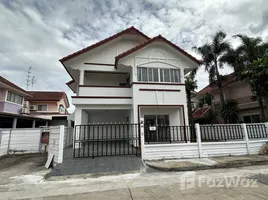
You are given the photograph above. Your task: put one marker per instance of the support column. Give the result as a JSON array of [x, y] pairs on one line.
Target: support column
[[46, 123], [245, 131], [199, 141], [81, 80], [78, 121], [142, 138], [33, 124], [81, 77], [14, 125]]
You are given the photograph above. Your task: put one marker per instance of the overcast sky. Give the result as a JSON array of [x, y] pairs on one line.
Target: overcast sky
[[38, 33]]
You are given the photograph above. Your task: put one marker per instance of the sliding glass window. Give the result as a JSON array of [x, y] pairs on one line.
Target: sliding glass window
[[158, 75]]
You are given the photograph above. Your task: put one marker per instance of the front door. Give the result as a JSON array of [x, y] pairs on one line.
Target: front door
[[156, 128]]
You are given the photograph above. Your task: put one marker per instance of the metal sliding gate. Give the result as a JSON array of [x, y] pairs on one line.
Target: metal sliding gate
[[95, 140]]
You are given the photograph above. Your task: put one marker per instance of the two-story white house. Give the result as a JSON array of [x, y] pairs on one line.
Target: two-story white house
[[129, 76]]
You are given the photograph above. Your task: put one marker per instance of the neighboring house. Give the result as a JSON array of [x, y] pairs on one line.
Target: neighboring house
[[49, 105], [11, 107], [129, 76], [235, 89]]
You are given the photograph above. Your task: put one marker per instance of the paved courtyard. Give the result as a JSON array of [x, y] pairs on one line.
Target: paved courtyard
[[120, 164]]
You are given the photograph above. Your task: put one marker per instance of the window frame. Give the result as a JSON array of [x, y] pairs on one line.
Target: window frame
[[250, 116], [160, 73], [42, 105], [14, 96]]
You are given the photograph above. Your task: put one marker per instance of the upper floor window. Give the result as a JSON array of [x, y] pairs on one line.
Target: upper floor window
[[14, 98], [158, 75], [42, 108]]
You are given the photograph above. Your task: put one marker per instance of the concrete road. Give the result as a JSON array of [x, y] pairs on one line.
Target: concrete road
[[209, 184]]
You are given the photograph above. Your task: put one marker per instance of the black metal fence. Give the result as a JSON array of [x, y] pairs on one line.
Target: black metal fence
[[96, 140], [256, 131], [168, 134], [220, 132]]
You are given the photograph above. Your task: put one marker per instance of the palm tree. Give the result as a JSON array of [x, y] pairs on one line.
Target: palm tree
[[244, 60], [191, 86], [230, 111], [212, 54]]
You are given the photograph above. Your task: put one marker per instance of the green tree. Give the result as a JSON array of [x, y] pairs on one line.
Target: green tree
[[212, 54], [191, 86], [249, 61], [229, 111]]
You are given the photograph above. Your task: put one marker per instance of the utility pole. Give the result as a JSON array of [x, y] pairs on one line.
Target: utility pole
[[33, 81], [28, 77]]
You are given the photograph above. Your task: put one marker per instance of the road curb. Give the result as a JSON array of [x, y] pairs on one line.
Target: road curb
[[233, 164]]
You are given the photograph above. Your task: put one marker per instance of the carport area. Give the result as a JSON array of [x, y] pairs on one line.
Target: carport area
[[105, 164]]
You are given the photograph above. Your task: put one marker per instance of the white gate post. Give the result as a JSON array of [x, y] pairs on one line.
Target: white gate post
[[9, 141], [61, 141], [199, 142], [142, 138], [266, 126], [245, 131]]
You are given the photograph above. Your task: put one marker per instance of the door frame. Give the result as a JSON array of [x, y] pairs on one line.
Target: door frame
[[157, 105]]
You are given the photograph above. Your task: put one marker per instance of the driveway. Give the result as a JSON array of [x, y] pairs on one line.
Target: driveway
[[104, 164]]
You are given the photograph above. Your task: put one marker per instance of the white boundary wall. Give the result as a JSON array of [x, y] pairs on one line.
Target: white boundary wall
[[56, 143], [202, 149], [21, 140]]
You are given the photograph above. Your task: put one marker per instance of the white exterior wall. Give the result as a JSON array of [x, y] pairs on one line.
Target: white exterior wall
[[98, 91], [158, 55], [104, 54]]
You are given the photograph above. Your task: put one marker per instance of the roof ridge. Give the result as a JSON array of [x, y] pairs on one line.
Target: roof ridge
[[81, 51]]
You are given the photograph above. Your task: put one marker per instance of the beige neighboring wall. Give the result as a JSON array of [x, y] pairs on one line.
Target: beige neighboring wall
[[51, 105]]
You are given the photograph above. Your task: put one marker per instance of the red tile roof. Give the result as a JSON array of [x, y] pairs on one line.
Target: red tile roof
[[46, 96], [131, 30], [200, 112], [6, 82], [150, 41], [227, 79]]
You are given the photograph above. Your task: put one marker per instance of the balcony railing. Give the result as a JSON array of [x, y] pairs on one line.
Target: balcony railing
[[105, 91]]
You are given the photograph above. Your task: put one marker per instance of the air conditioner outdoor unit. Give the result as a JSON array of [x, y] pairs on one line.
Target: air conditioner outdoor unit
[[33, 107]]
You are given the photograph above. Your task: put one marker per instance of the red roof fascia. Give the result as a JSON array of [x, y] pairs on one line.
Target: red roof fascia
[[5, 81], [131, 30], [70, 82], [47, 96], [44, 96], [200, 112], [157, 38]]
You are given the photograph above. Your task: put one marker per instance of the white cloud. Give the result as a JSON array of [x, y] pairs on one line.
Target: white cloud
[[38, 33]]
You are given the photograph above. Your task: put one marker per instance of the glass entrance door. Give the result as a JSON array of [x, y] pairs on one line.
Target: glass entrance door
[[156, 128]]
